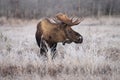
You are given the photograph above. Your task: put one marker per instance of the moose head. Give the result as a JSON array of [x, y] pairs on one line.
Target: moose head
[[59, 31]]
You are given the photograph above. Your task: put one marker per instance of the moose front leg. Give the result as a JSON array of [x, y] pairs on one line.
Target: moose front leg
[[67, 41], [43, 47], [53, 50], [52, 47]]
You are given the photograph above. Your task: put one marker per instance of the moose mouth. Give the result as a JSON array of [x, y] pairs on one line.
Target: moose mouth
[[67, 41]]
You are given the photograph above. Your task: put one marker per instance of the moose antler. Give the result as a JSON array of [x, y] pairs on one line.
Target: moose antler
[[69, 21]]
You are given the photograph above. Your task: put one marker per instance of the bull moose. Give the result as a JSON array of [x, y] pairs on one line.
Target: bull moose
[[58, 31]]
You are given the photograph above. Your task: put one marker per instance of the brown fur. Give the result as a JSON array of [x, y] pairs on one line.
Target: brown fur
[[52, 32]]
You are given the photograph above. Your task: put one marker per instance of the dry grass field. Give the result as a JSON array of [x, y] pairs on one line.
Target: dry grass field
[[97, 58]]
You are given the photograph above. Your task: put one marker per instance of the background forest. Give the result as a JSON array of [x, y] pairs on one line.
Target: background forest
[[39, 8]]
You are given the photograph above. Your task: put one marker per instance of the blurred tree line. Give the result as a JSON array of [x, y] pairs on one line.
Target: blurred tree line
[[38, 8]]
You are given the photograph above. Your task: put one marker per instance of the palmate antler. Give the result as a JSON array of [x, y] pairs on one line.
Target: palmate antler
[[69, 21]]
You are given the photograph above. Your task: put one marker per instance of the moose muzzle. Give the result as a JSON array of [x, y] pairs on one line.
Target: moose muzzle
[[79, 40]]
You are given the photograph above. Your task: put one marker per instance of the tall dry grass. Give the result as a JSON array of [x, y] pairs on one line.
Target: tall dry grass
[[97, 58]]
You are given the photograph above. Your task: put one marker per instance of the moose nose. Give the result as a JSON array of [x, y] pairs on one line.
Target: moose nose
[[80, 40]]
